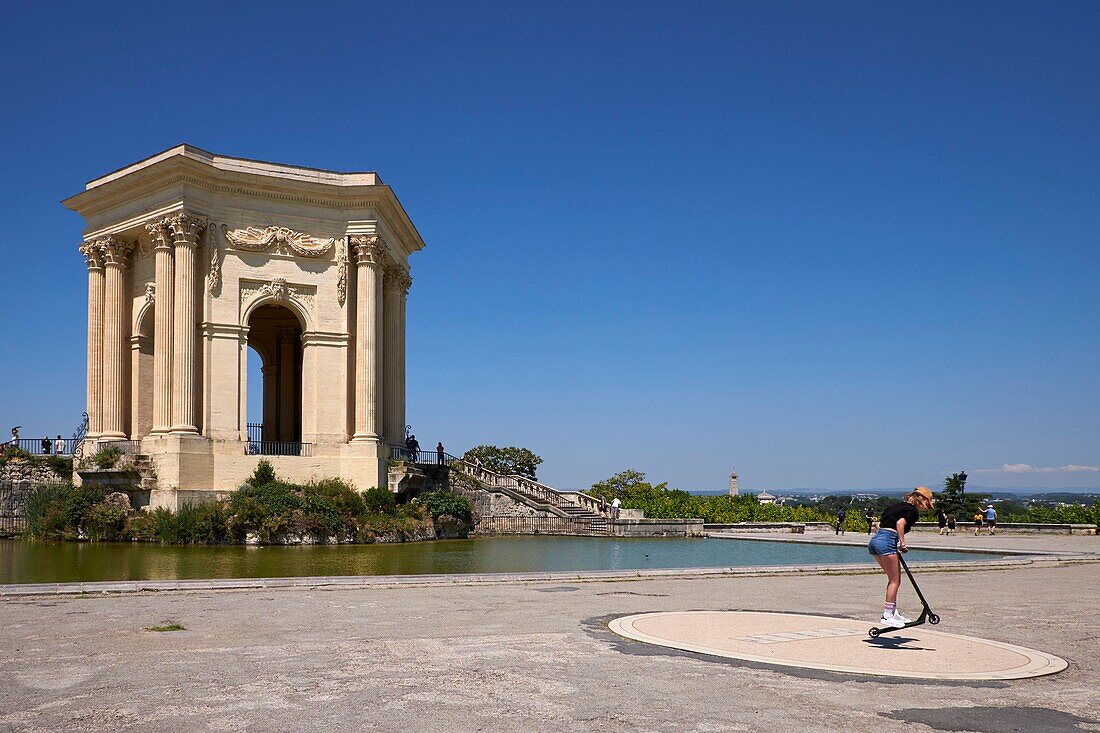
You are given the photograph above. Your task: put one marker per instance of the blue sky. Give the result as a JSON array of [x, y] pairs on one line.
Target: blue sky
[[833, 245]]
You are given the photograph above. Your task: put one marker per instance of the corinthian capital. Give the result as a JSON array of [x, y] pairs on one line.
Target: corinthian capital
[[368, 250], [115, 251], [185, 227], [159, 233], [93, 255], [397, 278]]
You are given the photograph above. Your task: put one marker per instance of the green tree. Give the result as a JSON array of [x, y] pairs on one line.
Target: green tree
[[625, 484], [953, 497], [508, 461]]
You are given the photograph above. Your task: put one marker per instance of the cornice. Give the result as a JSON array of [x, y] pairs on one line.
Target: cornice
[[179, 170]]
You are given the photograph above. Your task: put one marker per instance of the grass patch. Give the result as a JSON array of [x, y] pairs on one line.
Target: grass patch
[[166, 627]]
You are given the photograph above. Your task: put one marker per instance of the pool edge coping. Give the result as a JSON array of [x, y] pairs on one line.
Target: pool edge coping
[[113, 587]]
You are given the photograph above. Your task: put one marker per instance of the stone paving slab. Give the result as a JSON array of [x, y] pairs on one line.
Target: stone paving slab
[[836, 645], [525, 657]]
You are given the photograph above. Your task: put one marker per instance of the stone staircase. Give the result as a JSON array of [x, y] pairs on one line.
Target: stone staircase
[[580, 512]]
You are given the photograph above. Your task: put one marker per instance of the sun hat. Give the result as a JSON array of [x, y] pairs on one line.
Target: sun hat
[[923, 491]]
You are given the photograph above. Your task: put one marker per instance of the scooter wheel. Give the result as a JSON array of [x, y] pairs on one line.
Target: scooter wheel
[[873, 633], [933, 619]]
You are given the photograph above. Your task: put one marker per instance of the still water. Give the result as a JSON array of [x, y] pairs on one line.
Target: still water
[[23, 561]]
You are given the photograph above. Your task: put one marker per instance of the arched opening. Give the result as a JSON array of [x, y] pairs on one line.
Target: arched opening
[[141, 375], [275, 333]]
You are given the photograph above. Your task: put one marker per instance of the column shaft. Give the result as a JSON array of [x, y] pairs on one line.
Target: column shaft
[[394, 430], [368, 273], [162, 328], [405, 285], [96, 286], [112, 353], [185, 230]]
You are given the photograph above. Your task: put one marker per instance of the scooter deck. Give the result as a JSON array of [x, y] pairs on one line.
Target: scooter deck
[[926, 616]]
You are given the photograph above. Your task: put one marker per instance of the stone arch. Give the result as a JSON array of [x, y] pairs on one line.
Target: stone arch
[[142, 347], [274, 330], [290, 303]]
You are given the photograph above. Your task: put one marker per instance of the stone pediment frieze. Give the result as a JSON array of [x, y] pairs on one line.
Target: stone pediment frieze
[[281, 239]]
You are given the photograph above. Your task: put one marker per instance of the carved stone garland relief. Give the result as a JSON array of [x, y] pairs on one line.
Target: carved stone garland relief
[[282, 239], [279, 290]]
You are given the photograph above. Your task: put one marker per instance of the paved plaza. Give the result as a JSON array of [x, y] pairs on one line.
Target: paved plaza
[[532, 656]]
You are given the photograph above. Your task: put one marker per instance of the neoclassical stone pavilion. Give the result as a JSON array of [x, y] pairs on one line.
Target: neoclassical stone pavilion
[[195, 257]]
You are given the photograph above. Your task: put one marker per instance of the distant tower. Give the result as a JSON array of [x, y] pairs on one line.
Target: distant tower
[[733, 483]]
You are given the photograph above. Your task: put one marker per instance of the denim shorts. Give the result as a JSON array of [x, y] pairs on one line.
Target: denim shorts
[[885, 542]]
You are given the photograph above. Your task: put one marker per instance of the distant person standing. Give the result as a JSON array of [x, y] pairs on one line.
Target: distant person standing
[[413, 448], [977, 522], [47, 446], [941, 520], [439, 452], [991, 519], [840, 517], [15, 437], [603, 504], [59, 446], [950, 524], [615, 504], [870, 517]]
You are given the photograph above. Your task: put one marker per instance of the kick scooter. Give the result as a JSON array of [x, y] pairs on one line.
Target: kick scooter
[[926, 613]]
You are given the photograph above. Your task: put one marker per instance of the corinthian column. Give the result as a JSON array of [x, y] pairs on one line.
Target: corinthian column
[[162, 326], [115, 253], [368, 346], [94, 257], [185, 229], [394, 428], [405, 284]]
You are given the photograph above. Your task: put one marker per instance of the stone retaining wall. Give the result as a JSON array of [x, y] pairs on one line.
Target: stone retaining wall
[[657, 528]]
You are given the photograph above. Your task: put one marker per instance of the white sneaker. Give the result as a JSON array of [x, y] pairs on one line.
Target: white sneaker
[[901, 618], [892, 621]]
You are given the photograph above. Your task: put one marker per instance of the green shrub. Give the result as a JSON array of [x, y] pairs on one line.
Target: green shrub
[[78, 501], [264, 473], [660, 502], [347, 501], [380, 500], [106, 457], [202, 523], [412, 510], [59, 511], [265, 510], [61, 465], [13, 452], [106, 522], [45, 508], [141, 525], [374, 526], [440, 502]]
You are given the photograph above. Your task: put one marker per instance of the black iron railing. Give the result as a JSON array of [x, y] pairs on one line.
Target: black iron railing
[[425, 457], [255, 432], [53, 447], [128, 447], [278, 448]]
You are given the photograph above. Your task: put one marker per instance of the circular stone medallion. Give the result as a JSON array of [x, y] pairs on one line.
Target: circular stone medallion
[[836, 645]]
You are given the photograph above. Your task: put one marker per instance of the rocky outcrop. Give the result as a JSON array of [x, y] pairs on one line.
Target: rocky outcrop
[[451, 528], [29, 471]]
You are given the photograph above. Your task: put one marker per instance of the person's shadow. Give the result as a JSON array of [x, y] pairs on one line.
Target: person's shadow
[[896, 642]]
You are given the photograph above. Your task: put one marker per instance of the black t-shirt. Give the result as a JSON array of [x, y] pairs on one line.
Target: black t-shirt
[[901, 510]]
